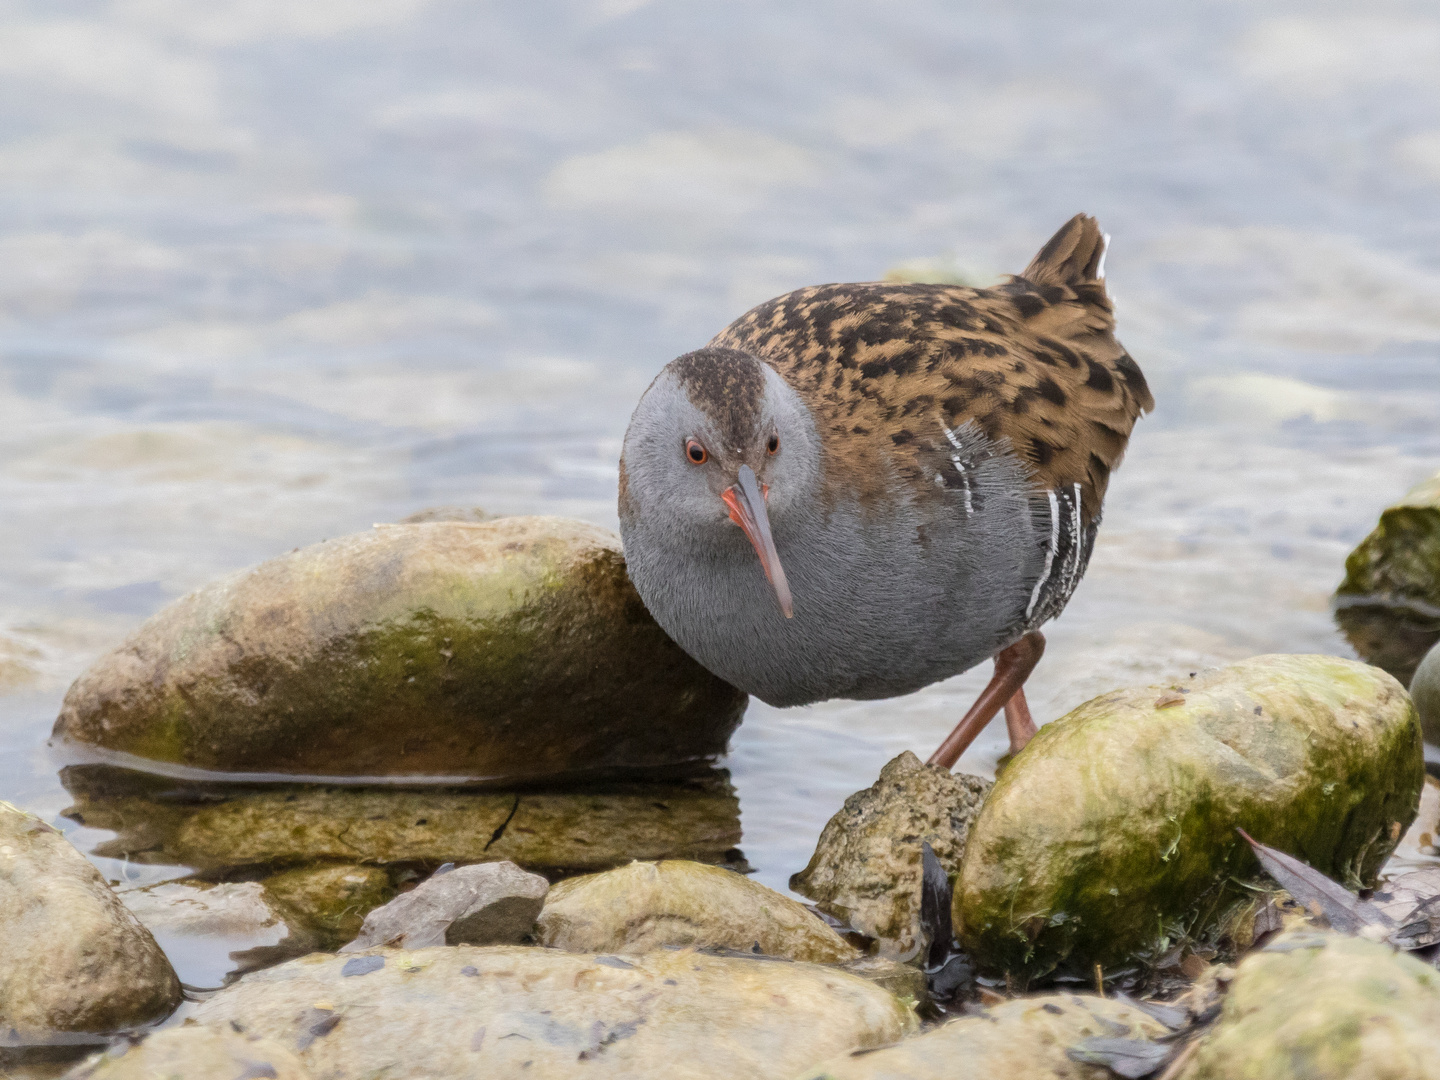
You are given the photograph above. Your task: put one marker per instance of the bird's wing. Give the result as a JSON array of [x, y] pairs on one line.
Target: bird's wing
[[889, 370]]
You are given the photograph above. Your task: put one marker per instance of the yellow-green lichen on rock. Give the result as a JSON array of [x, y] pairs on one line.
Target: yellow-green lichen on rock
[[1113, 833], [654, 905], [1023, 1039], [1389, 603], [331, 899], [866, 869], [1318, 1006], [508, 648]]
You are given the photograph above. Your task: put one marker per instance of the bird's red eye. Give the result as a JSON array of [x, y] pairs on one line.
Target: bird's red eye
[[773, 445], [696, 453]]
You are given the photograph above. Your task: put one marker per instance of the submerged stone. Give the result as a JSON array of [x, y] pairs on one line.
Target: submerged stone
[[463, 1010], [1024, 1039], [213, 827], [509, 648], [1389, 603], [646, 906], [72, 958], [866, 869], [1319, 1006], [193, 1052], [331, 899], [1113, 834]]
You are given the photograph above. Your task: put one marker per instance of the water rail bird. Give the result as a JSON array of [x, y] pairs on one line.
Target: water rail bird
[[916, 473]]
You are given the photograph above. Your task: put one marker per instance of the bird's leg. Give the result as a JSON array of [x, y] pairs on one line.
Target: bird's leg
[[1013, 666], [1018, 721]]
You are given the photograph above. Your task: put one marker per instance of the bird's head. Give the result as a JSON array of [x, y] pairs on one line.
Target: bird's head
[[720, 440]]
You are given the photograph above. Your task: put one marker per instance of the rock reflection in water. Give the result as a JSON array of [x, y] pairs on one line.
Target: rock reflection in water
[[225, 830]]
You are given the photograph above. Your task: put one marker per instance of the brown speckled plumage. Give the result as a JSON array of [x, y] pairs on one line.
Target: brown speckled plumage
[[1032, 362]]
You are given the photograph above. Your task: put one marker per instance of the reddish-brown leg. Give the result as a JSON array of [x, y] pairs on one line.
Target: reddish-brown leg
[[1013, 666], [1018, 721]]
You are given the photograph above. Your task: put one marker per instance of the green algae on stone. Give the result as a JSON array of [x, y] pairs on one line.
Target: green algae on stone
[[653, 905], [215, 827], [509, 1011], [1318, 1006], [509, 648], [332, 899], [1112, 835], [1389, 603], [1023, 1039]]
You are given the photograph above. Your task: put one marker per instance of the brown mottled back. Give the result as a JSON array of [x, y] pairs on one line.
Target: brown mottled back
[[1033, 363]]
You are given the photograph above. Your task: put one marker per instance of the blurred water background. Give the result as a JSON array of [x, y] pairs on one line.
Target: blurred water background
[[272, 272]]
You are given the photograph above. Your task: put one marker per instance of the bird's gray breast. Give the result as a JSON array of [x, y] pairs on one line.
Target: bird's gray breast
[[887, 599]]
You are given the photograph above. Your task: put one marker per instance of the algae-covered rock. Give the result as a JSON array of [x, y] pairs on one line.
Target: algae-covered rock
[[488, 904], [509, 648], [468, 1011], [72, 957], [646, 906], [1425, 692], [212, 827], [192, 1052], [1113, 833], [1389, 603], [1024, 1039], [866, 868], [332, 899], [1318, 1006]]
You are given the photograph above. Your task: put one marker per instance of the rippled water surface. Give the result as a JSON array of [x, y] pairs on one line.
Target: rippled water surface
[[270, 273]]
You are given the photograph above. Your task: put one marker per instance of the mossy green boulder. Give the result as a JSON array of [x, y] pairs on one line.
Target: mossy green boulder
[[1389, 603], [507, 648], [1319, 1006], [1113, 834]]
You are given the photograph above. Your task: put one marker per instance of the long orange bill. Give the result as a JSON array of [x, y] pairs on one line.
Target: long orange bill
[[747, 509]]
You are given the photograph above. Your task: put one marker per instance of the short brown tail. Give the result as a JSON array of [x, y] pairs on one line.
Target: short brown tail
[[1072, 257]]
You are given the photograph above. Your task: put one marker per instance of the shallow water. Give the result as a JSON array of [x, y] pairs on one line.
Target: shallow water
[[272, 273]]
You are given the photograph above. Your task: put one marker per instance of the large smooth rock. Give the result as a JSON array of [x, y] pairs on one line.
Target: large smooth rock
[[1389, 603], [193, 1052], [1425, 692], [1116, 827], [648, 905], [487, 904], [508, 648], [72, 957], [866, 869], [1024, 1039], [462, 1011], [213, 827], [1318, 1006]]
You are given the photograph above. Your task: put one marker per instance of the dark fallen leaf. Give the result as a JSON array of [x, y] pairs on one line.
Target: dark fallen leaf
[[935, 899], [1413, 902], [1130, 1058], [1345, 911]]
